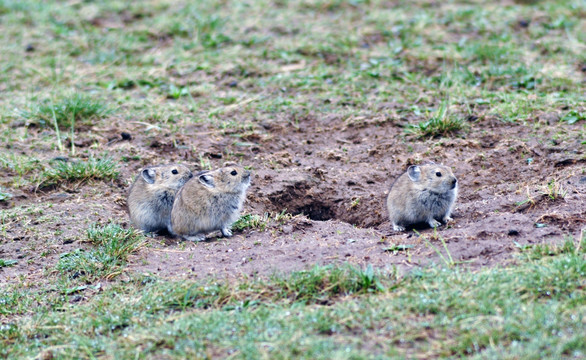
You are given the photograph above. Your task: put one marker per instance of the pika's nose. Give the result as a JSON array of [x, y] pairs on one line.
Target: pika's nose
[[454, 182]]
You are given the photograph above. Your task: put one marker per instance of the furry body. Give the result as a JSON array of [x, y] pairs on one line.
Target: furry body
[[210, 201], [151, 196], [425, 193]]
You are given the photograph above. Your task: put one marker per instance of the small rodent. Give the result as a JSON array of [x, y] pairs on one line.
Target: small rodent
[[211, 201], [425, 193], [151, 196]]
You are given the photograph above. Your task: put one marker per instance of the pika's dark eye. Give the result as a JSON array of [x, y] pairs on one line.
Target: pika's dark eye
[[234, 173], [174, 172], [438, 174]]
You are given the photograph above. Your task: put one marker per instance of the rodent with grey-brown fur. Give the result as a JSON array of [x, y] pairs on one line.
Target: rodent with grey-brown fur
[[151, 196], [424, 193], [211, 201]]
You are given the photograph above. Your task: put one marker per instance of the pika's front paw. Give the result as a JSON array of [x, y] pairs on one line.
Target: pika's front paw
[[434, 223], [197, 238], [447, 219], [398, 228], [226, 232]]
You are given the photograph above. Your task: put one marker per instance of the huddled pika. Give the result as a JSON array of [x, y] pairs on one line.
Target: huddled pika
[[425, 193], [211, 201], [151, 196]]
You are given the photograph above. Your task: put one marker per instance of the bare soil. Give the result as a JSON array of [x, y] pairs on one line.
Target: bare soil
[[336, 171]]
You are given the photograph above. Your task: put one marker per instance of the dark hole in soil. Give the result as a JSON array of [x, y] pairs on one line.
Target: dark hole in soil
[[316, 211]]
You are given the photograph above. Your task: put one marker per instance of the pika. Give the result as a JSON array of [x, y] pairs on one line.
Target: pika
[[151, 196], [425, 193], [211, 201]]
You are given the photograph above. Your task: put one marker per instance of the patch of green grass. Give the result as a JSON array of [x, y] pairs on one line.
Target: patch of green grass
[[78, 109], [252, 221], [322, 283], [492, 52], [6, 263], [79, 172], [573, 116], [4, 195], [440, 123], [539, 251], [533, 310], [261, 222], [15, 301], [298, 62], [205, 30], [19, 164], [112, 245]]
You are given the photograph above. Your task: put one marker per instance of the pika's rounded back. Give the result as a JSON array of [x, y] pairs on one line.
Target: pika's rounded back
[[151, 196]]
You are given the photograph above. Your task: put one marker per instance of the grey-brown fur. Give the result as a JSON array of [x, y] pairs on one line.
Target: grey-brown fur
[[210, 201], [152, 194], [420, 195]]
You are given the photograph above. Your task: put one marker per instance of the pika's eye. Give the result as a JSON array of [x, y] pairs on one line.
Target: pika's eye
[[174, 172], [438, 174], [234, 173]]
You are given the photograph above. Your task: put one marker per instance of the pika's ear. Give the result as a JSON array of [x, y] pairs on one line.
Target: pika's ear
[[148, 175], [206, 180], [414, 172]]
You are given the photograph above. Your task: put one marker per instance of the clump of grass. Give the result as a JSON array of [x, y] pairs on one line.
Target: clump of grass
[[538, 251], [440, 123], [20, 164], [204, 162], [320, 285], [67, 111], [283, 216], [4, 195], [15, 301], [79, 172], [574, 116], [554, 190], [252, 221], [117, 242], [112, 244], [6, 263], [261, 222], [207, 32], [324, 282]]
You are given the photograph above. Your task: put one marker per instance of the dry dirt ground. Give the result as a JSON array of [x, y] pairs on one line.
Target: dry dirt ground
[[519, 184]]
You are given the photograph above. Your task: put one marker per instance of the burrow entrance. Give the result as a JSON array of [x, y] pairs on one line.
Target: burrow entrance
[[322, 203]]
